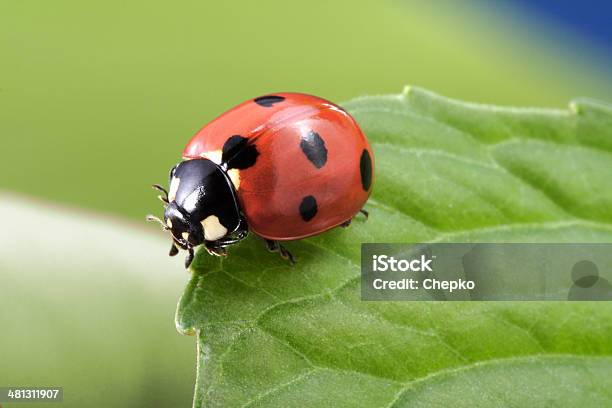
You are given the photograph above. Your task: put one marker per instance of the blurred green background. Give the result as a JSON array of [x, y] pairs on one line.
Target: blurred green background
[[98, 98]]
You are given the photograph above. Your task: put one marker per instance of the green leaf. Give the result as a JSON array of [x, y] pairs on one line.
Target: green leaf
[[270, 335]]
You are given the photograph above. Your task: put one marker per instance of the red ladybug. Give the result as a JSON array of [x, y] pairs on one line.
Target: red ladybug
[[286, 166]]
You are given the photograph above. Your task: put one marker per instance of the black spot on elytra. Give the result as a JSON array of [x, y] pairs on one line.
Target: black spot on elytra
[[365, 168], [268, 100], [238, 153], [313, 147], [308, 208]]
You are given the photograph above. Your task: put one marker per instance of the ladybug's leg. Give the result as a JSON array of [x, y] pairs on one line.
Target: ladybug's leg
[[216, 248], [189, 258], [173, 250], [274, 246], [217, 251], [346, 223]]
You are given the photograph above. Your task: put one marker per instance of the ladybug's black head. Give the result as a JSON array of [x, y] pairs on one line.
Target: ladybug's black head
[[201, 208]]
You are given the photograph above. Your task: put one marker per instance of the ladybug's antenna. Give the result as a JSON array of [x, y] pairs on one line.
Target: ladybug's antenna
[[152, 218], [163, 198]]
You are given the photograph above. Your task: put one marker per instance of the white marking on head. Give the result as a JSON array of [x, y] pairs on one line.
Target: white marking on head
[[174, 185], [234, 175], [169, 223], [213, 230], [185, 236], [214, 156]]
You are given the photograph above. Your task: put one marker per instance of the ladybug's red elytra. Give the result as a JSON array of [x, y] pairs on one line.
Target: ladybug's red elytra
[[285, 166]]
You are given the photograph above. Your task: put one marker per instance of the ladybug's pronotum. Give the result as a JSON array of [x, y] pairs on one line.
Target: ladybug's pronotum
[[285, 166]]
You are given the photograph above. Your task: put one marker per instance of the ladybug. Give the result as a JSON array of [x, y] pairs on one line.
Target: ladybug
[[286, 166]]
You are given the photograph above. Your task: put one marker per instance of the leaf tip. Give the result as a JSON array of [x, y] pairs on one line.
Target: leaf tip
[[184, 329], [184, 319]]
